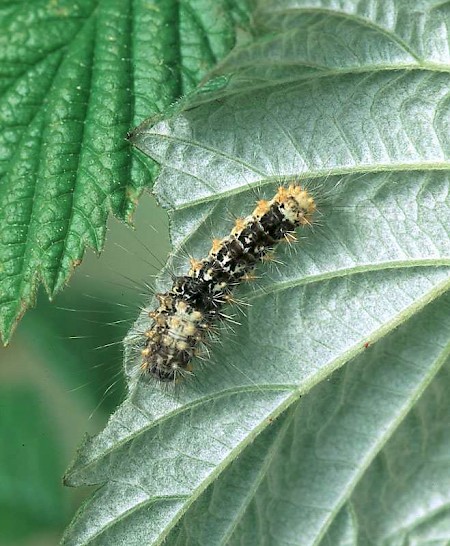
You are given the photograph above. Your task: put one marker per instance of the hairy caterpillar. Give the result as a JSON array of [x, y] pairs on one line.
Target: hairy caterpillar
[[194, 303]]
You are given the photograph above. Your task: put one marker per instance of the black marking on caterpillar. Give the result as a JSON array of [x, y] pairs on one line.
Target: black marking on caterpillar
[[193, 306]]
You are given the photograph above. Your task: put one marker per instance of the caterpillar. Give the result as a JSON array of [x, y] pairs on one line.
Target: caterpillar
[[194, 303]]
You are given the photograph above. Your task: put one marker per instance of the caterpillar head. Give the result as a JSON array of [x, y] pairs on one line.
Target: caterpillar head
[[298, 205]]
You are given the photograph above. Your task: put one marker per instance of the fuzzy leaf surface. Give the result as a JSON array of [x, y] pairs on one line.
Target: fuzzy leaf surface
[[74, 78], [323, 419]]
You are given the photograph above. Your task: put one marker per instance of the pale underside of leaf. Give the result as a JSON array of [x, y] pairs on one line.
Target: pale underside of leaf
[[276, 441]]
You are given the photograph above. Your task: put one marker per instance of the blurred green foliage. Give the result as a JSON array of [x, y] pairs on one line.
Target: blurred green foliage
[[61, 377]]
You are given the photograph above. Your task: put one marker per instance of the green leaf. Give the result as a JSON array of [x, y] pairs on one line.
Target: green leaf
[[322, 419], [74, 78]]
